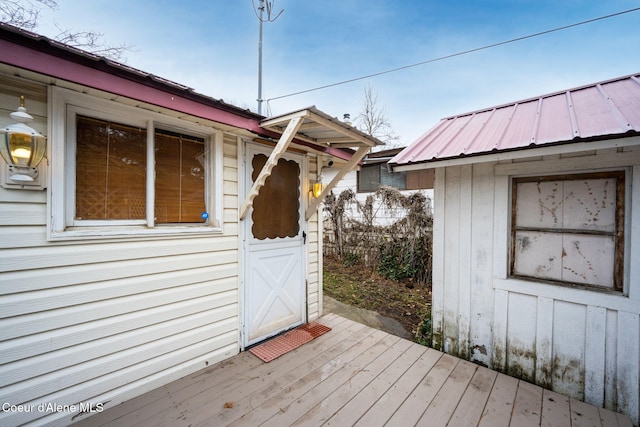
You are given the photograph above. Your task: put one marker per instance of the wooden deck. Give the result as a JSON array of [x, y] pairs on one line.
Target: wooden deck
[[353, 375]]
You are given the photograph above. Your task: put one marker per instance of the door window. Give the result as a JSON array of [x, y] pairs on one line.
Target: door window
[[276, 208]]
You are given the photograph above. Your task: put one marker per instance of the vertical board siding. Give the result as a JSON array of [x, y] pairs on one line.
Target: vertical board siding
[[611, 361], [628, 379], [521, 338], [481, 310], [438, 270], [451, 260], [104, 322], [544, 342], [561, 338], [500, 326], [464, 276], [594, 360], [569, 339]]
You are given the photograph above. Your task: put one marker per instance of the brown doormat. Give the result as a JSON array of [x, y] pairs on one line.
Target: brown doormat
[[288, 341]]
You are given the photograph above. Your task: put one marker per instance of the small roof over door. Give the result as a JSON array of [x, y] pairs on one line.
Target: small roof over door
[[314, 127], [319, 128]]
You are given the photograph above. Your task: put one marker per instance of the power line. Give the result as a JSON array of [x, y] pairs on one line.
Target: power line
[[465, 52]]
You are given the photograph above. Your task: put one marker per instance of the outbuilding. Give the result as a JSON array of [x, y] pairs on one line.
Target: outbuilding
[[537, 239]]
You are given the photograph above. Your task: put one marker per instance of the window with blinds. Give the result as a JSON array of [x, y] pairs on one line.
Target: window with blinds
[[111, 165], [180, 178], [111, 174]]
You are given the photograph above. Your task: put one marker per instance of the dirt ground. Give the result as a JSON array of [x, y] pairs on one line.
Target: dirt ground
[[406, 302]]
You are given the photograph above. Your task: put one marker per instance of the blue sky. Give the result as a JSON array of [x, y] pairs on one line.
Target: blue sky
[[212, 46]]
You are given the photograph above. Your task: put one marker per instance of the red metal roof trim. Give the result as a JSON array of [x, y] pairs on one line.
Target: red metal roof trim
[[609, 109]]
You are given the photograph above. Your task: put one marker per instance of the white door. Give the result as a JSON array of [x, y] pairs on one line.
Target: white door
[[275, 286]]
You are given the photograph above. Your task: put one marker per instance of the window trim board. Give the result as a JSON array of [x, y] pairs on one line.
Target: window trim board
[[621, 249]]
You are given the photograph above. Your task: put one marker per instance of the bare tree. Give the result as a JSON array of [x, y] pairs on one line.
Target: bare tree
[[26, 14], [23, 13], [92, 42], [373, 121]]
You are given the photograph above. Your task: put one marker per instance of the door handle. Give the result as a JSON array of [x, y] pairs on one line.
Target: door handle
[[304, 238]]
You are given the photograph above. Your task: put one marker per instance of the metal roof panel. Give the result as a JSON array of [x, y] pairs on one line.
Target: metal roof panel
[[554, 120], [594, 114], [519, 130], [623, 95], [605, 109]]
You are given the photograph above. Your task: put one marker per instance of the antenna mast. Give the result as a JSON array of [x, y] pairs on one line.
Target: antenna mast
[[262, 5]]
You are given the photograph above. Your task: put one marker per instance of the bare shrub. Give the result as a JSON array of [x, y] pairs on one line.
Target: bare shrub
[[400, 250]]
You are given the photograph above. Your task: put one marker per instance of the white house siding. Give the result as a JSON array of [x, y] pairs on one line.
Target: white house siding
[[102, 321], [349, 181], [383, 215], [582, 343], [314, 256]]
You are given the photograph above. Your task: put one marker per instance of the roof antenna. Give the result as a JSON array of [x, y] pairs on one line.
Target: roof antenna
[[262, 6]]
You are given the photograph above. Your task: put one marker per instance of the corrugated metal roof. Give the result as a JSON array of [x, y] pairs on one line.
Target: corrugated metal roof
[[607, 109]]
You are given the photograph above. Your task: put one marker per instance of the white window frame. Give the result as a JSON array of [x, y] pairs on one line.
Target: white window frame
[[63, 108]]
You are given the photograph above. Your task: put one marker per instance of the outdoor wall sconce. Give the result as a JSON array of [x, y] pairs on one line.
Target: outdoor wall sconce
[[22, 147], [316, 188]]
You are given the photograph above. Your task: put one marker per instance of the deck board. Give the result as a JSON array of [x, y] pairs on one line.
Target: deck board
[[527, 408], [258, 401], [471, 406], [443, 405], [584, 415], [350, 413], [352, 375], [556, 411], [499, 407], [417, 402], [281, 403], [385, 407], [279, 385], [297, 408], [358, 381]]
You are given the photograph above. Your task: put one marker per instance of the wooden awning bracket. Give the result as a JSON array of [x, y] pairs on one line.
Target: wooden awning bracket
[[278, 151], [355, 159], [314, 127]]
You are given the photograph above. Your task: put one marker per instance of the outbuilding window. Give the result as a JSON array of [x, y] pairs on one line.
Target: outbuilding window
[[569, 229]]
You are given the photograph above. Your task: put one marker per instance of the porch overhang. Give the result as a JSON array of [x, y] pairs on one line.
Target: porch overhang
[[315, 128]]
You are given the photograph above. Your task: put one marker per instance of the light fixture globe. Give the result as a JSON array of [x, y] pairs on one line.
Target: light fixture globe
[[316, 188], [21, 146]]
